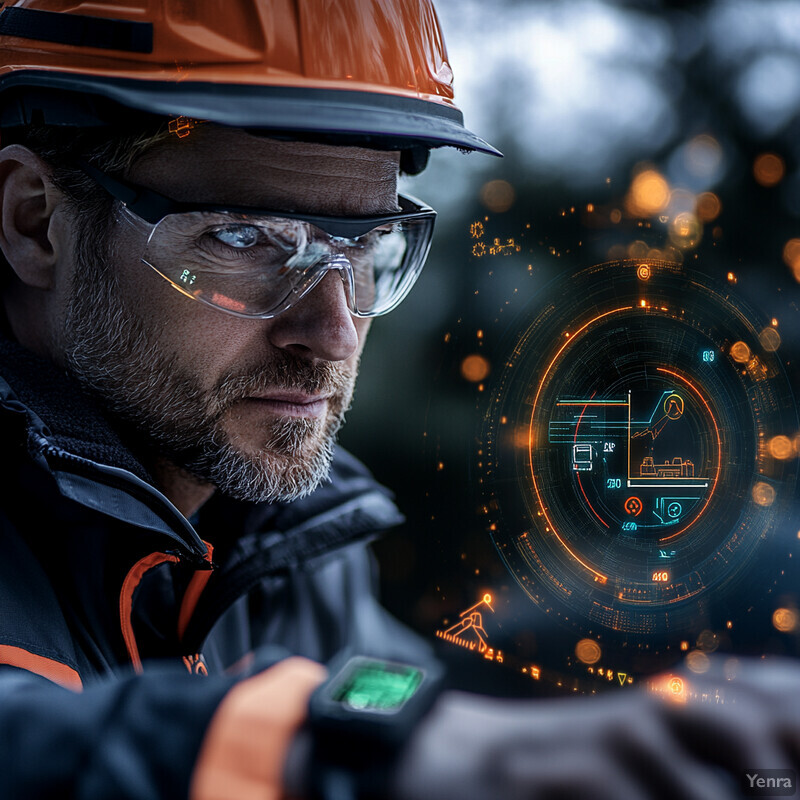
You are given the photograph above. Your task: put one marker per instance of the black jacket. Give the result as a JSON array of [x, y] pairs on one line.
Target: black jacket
[[107, 588]]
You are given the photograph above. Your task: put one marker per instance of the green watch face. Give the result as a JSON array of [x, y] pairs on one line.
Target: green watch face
[[378, 686]]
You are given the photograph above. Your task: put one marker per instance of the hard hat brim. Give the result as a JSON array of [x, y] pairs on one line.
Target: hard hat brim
[[369, 116]]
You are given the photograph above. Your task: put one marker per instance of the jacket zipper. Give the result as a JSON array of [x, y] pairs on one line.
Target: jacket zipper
[[118, 478]]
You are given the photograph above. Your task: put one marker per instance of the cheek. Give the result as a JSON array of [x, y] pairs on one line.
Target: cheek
[[203, 342]]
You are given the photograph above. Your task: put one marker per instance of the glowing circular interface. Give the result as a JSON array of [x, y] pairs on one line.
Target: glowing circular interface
[[627, 463]]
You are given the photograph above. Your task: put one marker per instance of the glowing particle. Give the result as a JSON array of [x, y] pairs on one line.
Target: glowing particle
[[732, 277], [643, 303], [763, 494], [708, 206], [498, 196], [740, 352], [770, 339], [697, 661], [785, 620], [769, 169], [590, 207], [781, 447], [684, 645], [588, 651], [475, 368], [643, 272], [648, 194]]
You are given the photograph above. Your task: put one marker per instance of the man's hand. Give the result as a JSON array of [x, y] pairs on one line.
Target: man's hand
[[616, 747]]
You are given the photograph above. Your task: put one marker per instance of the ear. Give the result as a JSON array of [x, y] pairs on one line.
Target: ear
[[28, 199]]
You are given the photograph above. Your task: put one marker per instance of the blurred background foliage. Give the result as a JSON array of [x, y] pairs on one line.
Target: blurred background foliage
[[630, 129]]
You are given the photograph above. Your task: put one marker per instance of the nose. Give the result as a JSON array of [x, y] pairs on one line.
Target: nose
[[320, 325]]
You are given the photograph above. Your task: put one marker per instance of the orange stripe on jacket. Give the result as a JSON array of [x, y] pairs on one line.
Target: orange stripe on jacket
[[129, 586], [46, 667]]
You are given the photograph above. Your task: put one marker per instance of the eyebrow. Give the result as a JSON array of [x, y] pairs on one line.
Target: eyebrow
[[152, 207]]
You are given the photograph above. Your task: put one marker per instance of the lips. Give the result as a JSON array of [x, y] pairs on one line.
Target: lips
[[291, 404]]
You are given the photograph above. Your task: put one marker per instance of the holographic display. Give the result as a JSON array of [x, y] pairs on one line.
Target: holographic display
[[632, 480]]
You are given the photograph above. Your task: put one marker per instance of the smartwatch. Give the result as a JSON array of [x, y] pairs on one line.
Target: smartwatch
[[361, 718]]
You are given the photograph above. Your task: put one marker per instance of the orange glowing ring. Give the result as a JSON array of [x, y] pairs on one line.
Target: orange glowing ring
[[719, 451]]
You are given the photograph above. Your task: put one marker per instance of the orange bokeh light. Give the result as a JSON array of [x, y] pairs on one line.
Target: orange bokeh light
[[708, 206], [769, 169], [475, 368], [763, 494], [498, 196], [785, 620], [781, 447], [791, 255], [740, 352], [588, 651], [648, 195]]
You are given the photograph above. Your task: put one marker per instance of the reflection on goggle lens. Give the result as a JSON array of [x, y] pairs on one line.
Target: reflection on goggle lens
[[258, 266]]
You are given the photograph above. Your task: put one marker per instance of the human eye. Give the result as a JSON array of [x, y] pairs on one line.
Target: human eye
[[239, 237]]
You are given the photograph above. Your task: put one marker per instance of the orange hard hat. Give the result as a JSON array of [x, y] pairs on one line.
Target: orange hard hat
[[357, 71]]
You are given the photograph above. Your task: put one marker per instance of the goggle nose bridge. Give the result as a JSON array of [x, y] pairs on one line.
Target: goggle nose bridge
[[320, 268]]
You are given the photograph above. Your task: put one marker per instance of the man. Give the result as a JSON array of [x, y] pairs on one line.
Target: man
[[193, 255]]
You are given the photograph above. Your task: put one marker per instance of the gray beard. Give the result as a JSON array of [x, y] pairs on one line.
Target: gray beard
[[110, 352]]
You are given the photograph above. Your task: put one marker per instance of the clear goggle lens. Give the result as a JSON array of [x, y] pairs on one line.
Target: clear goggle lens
[[258, 266]]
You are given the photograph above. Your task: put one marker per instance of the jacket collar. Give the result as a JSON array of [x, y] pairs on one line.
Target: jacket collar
[[59, 410]]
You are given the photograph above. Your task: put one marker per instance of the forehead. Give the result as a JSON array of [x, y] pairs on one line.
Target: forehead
[[230, 166]]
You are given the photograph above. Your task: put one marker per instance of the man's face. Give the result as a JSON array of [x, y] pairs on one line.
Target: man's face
[[251, 406]]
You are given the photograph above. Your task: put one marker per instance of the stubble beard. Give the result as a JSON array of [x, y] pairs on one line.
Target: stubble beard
[[109, 350]]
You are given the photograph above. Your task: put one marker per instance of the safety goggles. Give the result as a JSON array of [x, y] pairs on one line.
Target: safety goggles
[[255, 263]]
